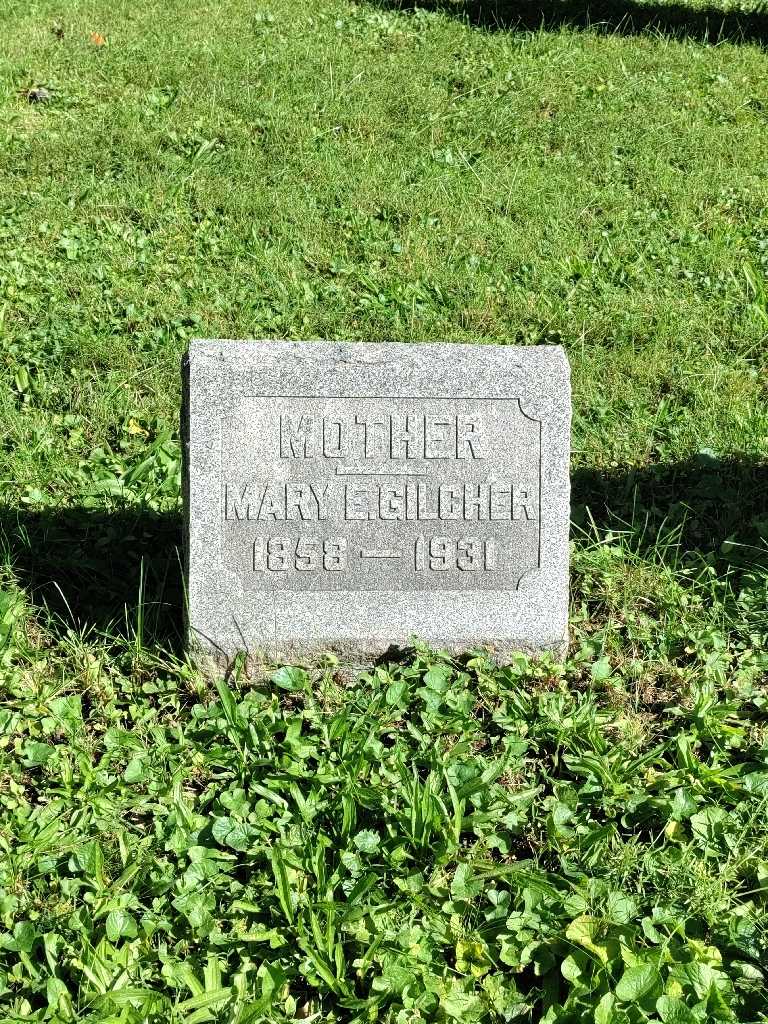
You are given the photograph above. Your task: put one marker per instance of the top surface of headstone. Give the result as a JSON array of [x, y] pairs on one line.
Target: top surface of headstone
[[349, 497]]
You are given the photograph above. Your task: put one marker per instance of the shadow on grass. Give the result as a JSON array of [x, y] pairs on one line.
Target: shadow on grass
[[615, 17], [717, 508], [95, 569], [114, 573]]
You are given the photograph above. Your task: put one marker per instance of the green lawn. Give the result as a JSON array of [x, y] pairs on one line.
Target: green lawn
[[441, 840]]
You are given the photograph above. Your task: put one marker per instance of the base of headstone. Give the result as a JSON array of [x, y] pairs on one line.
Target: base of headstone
[[347, 661]]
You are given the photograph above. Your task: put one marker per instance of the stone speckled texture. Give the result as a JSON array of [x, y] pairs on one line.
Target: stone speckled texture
[[346, 498]]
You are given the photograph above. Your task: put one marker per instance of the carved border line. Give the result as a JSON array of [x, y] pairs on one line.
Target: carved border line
[[422, 398]]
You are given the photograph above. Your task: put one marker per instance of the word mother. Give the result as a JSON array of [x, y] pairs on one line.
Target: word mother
[[405, 436]]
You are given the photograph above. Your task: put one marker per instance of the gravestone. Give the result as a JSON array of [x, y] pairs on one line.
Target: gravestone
[[349, 497]]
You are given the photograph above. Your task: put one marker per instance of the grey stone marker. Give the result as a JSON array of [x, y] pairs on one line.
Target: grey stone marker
[[348, 497]]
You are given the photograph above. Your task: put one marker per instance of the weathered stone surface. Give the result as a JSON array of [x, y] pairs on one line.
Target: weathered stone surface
[[348, 497]]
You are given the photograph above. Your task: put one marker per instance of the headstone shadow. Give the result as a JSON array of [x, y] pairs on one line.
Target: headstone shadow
[[111, 573]]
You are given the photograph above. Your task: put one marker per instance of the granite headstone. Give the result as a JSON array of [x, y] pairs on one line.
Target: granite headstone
[[349, 497]]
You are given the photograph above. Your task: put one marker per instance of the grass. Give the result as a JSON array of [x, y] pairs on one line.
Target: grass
[[442, 840]]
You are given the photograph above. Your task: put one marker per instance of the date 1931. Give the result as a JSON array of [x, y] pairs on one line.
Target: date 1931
[[467, 554]]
